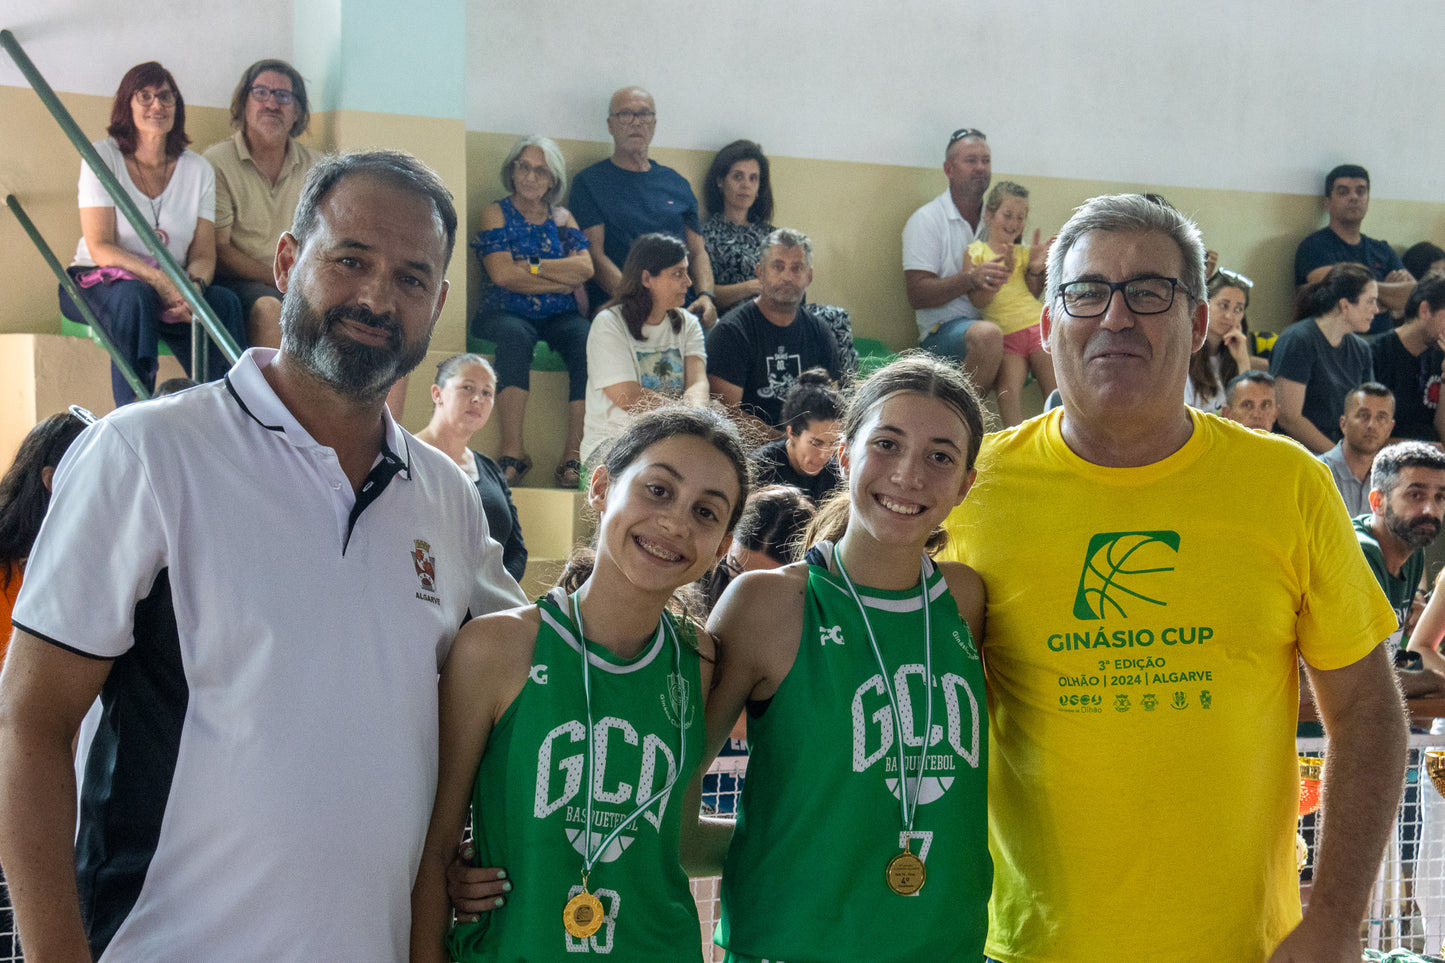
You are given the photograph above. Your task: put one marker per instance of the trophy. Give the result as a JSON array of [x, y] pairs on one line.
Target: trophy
[[1435, 767], [1309, 783], [1309, 800]]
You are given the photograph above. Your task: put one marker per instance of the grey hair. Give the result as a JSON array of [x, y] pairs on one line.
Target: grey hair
[[397, 168], [787, 238], [448, 369], [1131, 214], [551, 156]]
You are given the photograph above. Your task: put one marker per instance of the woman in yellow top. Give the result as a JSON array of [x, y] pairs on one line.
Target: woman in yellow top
[[1015, 306]]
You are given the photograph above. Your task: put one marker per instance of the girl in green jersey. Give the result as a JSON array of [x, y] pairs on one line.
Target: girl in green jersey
[[568, 743], [855, 666]]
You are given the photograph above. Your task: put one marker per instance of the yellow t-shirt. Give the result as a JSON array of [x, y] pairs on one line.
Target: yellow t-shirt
[[1140, 652], [1014, 307]]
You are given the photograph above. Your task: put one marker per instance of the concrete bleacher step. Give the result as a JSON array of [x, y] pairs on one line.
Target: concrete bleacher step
[[43, 374], [553, 522]]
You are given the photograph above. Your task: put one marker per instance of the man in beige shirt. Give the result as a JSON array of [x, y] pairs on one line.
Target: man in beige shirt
[[259, 173]]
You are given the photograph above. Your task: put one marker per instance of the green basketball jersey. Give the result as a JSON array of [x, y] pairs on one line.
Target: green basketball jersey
[[530, 803], [819, 817]]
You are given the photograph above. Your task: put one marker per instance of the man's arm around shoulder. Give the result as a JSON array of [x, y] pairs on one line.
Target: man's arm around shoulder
[[45, 691], [1364, 720]]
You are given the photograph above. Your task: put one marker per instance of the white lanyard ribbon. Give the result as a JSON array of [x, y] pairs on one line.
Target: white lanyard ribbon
[[589, 856], [908, 806]]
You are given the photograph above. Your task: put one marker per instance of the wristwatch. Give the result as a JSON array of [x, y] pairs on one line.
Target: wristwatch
[[534, 264]]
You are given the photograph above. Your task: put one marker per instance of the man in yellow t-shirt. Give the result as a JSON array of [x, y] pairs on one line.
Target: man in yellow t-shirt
[[1142, 642]]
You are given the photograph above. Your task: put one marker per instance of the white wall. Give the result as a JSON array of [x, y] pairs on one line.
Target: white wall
[[86, 46], [1235, 94]]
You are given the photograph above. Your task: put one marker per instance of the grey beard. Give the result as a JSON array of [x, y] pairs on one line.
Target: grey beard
[[358, 371]]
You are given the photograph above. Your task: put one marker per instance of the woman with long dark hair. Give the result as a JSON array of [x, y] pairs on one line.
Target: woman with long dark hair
[[738, 195], [24, 499], [1320, 358], [1225, 352], [644, 347], [175, 190]]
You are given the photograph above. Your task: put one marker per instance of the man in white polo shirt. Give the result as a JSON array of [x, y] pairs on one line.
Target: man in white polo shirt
[[937, 272], [261, 578]]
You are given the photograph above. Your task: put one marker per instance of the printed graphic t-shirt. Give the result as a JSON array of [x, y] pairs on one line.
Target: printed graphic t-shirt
[[1141, 643]]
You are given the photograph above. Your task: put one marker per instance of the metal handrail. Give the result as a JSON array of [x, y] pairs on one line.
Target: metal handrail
[[71, 288], [200, 311]]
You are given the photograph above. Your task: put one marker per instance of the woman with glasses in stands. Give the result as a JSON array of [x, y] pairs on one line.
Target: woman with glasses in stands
[[175, 189]]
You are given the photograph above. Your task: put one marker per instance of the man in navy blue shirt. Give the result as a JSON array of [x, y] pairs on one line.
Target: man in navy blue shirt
[[1347, 199], [619, 199]]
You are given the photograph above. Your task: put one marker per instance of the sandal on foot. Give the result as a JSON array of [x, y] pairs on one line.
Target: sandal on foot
[[569, 474], [514, 469]]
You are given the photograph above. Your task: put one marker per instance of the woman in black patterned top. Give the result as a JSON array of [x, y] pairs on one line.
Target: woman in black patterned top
[[738, 195]]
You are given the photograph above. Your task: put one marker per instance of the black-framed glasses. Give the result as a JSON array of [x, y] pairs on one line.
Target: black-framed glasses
[[1234, 278], [963, 132], [635, 116], [145, 98], [261, 93], [1089, 299]]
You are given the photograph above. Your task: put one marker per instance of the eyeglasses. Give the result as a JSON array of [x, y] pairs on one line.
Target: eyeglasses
[[635, 116], [963, 132], [1089, 299], [145, 98], [260, 93], [521, 168], [1235, 278]]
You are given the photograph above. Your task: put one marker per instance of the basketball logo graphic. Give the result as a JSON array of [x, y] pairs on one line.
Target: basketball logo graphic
[[1122, 572]]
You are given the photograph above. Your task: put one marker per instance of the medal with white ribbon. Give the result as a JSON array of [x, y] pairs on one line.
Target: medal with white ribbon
[[905, 873], [583, 915]]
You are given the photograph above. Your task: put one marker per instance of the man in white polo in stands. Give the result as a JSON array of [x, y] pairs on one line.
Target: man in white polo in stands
[[261, 578]]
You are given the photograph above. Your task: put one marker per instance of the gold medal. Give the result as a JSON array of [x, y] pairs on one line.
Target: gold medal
[[582, 916], [905, 874]]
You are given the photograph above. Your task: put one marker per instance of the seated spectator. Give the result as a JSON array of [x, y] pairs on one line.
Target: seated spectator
[[1249, 400], [940, 278], [24, 498], [1407, 502], [738, 195], [769, 534], [806, 456], [1321, 357], [1424, 258], [462, 397], [133, 299], [1015, 305], [1365, 427], [259, 173], [627, 195], [1409, 361], [1225, 352], [757, 351], [1347, 200], [537, 258], [644, 348]]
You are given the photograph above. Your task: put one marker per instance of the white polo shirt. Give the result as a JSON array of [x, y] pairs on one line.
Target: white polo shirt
[[936, 239], [262, 777]]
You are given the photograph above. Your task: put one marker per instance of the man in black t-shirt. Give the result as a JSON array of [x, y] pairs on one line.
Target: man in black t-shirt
[[1347, 200], [758, 349]]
